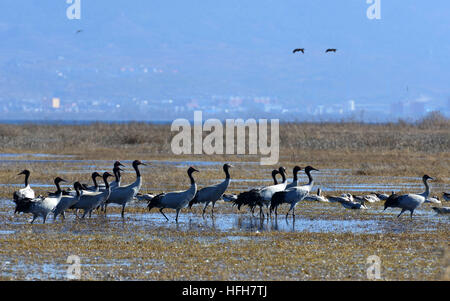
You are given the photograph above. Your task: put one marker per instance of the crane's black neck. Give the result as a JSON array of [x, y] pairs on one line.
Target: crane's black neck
[[58, 188], [105, 179], [191, 178], [274, 177], [427, 188], [283, 176], [227, 173], [27, 175], [136, 168], [117, 174], [308, 173], [94, 176]]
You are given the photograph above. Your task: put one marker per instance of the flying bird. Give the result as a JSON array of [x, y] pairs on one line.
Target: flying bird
[[79, 30], [330, 50], [302, 50]]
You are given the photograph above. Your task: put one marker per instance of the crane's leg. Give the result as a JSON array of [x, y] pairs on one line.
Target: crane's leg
[[412, 211], [161, 210], [176, 218], [403, 210], [204, 209], [123, 209], [292, 207], [62, 213], [44, 218], [212, 209]]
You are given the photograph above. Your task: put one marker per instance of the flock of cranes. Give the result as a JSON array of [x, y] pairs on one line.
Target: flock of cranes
[[267, 198]]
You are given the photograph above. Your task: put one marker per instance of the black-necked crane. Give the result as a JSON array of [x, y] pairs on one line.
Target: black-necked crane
[[24, 193], [261, 196], [90, 200], [292, 195], [175, 200], [41, 206], [211, 194], [67, 201], [409, 201], [124, 194]]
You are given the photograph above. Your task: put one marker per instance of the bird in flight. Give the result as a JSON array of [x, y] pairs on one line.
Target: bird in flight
[[79, 30], [302, 50], [330, 50]]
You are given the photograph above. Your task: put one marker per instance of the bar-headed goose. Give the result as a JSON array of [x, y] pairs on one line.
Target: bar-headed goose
[[347, 201], [409, 201], [212, 193], [433, 200], [124, 194], [175, 200], [316, 197], [446, 196], [293, 195], [41, 206], [441, 210]]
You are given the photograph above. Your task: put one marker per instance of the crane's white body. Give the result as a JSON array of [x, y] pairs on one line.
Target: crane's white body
[[121, 195], [175, 200], [212, 194], [433, 200], [293, 195], [296, 194], [44, 206], [65, 203], [26, 192], [409, 201], [124, 194], [178, 199]]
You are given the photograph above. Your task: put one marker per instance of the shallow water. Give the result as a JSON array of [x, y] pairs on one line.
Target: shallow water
[[242, 221]]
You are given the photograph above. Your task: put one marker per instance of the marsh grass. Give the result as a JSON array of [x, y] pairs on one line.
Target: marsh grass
[[123, 250]]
